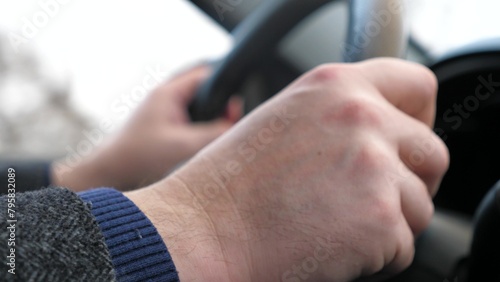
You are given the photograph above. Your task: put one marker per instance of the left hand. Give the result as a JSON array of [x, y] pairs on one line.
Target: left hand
[[159, 136]]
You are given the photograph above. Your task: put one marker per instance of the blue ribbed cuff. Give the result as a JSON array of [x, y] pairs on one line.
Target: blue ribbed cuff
[[137, 250]]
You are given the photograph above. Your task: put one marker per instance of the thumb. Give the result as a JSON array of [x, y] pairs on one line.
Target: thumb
[[184, 85]]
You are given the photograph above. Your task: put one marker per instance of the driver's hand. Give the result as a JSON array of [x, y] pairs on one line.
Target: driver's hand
[[157, 138], [331, 180]]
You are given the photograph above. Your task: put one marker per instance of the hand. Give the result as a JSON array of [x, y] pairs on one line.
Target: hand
[[331, 180], [157, 138]]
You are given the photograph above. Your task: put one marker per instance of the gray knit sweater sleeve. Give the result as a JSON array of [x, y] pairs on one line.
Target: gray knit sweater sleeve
[[56, 239]]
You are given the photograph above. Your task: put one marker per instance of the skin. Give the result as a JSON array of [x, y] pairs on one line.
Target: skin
[[340, 181], [158, 137]]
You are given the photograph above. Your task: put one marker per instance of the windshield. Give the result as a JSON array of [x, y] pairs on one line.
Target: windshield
[[92, 53], [442, 25]]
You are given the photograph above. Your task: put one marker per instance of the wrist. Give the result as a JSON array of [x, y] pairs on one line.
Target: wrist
[[74, 177], [197, 243], [93, 171]]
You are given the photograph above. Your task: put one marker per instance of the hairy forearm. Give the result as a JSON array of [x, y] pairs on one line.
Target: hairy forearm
[[186, 230]]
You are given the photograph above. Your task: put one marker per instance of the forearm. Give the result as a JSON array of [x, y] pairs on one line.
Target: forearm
[[192, 241]]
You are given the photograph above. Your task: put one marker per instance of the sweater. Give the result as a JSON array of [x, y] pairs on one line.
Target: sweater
[[99, 235]]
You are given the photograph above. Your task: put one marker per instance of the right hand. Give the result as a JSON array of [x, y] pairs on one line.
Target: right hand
[[331, 180]]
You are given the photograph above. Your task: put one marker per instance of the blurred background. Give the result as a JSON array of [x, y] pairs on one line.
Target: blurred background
[[65, 64]]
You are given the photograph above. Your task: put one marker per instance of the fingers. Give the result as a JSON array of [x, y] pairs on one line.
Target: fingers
[[416, 203], [425, 154], [410, 87], [420, 149], [202, 134], [234, 110], [183, 87], [404, 251]]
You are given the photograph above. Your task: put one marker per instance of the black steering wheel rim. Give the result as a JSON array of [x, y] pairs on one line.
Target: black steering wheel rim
[[260, 34]]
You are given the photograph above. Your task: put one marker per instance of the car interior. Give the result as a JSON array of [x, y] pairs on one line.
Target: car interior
[[275, 42]]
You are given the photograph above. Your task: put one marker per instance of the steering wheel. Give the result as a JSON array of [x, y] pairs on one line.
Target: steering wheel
[[376, 28], [382, 32]]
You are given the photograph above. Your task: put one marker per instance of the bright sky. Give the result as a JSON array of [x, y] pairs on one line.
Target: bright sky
[[103, 48]]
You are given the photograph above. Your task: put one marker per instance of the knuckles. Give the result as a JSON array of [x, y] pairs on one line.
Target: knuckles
[[386, 213], [348, 101], [358, 111], [365, 116], [328, 72], [369, 156]]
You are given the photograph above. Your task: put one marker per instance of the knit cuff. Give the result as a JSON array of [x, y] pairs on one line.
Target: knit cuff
[[137, 250]]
